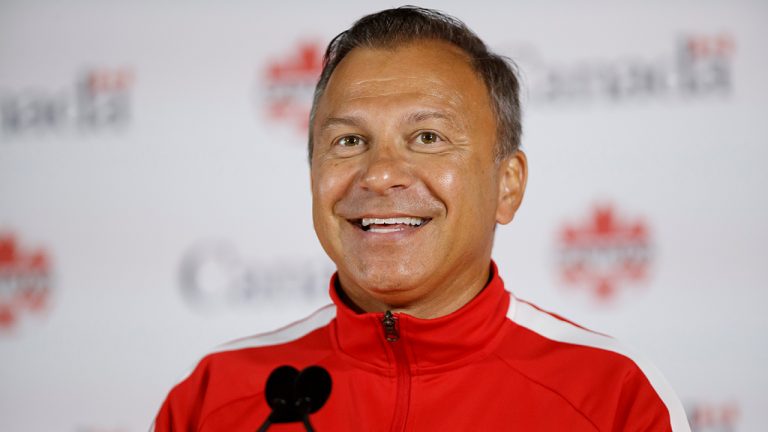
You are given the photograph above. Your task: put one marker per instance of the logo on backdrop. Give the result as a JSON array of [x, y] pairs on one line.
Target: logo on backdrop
[[288, 84], [713, 417], [604, 252], [99, 100], [698, 66], [25, 281], [214, 275]]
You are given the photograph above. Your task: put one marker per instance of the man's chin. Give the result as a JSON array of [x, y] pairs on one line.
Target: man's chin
[[397, 287]]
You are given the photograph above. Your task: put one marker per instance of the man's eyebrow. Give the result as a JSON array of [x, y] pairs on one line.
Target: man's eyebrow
[[343, 121], [419, 116], [413, 117]]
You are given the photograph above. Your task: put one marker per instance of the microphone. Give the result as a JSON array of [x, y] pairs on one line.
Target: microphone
[[313, 386], [294, 395], [280, 394]]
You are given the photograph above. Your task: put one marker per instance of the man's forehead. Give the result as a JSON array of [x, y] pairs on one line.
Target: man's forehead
[[416, 87], [430, 71]]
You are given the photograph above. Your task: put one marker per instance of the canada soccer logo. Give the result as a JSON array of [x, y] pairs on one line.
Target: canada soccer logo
[[707, 416], [24, 281], [604, 252], [289, 84]]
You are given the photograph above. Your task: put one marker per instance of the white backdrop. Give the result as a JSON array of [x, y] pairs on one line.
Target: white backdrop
[[154, 192]]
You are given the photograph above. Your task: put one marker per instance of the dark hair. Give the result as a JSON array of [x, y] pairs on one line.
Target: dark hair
[[394, 27]]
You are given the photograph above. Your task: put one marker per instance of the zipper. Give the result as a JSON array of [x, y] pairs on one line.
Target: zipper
[[403, 393], [391, 332]]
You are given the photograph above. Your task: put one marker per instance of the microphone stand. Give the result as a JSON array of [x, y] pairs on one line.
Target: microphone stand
[[264, 426], [304, 420], [307, 424], [304, 406]]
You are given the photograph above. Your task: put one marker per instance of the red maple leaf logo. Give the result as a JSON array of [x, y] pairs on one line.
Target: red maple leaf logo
[[290, 85], [710, 46], [25, 279], [708, 416], [603, 252], [106, 80]]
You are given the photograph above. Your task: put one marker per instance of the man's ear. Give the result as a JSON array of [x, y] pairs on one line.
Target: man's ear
[[513, 175]]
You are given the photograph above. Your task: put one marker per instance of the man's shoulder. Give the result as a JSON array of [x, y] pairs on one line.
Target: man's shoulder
[[285, 341], [595, 373], [291, 342], [543, 335], [239, 368]]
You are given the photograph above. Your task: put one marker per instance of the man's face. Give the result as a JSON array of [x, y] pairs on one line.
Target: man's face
[[406, 191]]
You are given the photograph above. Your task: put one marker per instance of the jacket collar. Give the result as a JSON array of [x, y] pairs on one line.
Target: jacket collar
[[463, 336]]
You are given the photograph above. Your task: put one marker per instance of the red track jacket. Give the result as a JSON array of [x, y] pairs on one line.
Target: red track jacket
[[496, 364]]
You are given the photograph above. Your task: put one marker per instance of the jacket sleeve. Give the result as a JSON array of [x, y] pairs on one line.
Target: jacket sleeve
[[182, 409], [639, 407]]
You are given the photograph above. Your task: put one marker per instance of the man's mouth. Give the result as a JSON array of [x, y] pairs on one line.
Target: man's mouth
[[389, 225]]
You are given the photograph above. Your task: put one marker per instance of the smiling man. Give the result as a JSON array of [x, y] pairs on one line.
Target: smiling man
[[414, 149], [406, 181]]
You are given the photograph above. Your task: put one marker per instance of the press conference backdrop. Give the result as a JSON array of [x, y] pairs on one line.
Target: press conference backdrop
[[154, 190]]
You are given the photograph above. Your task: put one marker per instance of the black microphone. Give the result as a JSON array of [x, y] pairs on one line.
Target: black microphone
[[280, 395], [313, 386], [294, 395]]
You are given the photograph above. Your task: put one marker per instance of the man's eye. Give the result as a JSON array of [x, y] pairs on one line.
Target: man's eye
[[428, 138], [349, 141]]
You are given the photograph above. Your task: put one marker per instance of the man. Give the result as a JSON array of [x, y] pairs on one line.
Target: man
[[414, 140]]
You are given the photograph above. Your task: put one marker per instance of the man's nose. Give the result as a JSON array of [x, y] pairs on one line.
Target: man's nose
[[386, 170]]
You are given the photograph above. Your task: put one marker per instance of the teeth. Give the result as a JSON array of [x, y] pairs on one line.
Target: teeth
[[414, 221], [385, 230]]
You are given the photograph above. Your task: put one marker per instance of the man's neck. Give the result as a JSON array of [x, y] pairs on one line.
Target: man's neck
[[439, 302]]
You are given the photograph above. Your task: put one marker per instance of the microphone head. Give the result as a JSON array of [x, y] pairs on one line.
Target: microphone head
[[280, 388], [313, 387]]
